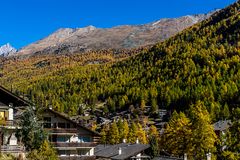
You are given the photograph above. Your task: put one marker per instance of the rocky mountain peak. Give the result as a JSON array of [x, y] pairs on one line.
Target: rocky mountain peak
[[7, 50], [75, 40]]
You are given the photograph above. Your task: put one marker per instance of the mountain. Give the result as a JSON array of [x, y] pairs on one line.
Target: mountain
[[199, 64], [7, 50], [68, 40], [202, 63]]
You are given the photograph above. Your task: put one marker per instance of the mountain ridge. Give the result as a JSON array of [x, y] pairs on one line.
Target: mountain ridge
[[75, 40]]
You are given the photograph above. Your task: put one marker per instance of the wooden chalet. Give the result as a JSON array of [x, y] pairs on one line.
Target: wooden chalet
[[70, 139], [10, 106]]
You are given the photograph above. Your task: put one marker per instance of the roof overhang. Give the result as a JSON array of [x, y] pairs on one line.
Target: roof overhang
[[71, 121], [7, 97]]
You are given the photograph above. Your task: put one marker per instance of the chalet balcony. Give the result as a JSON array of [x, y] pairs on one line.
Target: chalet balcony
[[73, 144], [7, 123], [77, 157], [12, 149], [61, 130]]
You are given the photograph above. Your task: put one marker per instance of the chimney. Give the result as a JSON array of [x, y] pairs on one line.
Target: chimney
[[185, 156], [124, 140], [137, 141], [119, 151], [209, 155]]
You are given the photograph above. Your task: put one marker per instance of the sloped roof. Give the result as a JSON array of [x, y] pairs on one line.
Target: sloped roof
[[108, 151], [222, 125], [167, 158], [128, 150], [8, 97], [71, 121]]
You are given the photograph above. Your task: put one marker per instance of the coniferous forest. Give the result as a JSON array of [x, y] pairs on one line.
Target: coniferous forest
[[201, 63], [195, 75]]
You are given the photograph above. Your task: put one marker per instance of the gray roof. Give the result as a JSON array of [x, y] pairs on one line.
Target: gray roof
[[128, 150], [222, 125], [167, 158]]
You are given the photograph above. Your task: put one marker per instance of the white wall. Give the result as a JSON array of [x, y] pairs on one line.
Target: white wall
[[10, 114], [91, 153], [13, 140]]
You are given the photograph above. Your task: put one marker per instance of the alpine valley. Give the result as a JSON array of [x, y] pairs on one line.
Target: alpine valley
[[200, 63], [181, 75]]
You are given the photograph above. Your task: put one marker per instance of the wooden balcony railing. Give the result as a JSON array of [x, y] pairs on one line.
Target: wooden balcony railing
[[61, 130], [7, 123], [73, 144], [13, 149], [77, 157]]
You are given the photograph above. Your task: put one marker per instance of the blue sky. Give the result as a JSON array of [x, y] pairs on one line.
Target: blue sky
[[26, 21]]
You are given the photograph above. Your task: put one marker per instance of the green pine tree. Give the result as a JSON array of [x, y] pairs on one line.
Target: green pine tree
[[113, 134], [132, 136], [203, 135]]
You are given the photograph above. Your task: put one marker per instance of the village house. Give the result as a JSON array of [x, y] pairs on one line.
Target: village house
[[221, 127], [11, 106], [70, 139]]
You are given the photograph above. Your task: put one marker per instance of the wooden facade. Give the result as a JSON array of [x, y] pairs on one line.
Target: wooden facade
[[10, 105], [69, 138]]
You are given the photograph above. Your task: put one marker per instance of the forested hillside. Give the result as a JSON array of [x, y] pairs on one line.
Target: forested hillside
[[19, 72], [201, 63]]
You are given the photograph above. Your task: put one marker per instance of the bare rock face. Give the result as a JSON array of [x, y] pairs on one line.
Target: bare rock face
[[67, 40]]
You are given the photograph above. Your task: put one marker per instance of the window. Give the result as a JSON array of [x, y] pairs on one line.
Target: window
[[61, 125], [83, 152], [63, 138], [68, 125], [64, 152], [47, 122], [60, 139], [2, 115], [54, 138], [47, 125], [84, 139], [47, 119], [61, 152]]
